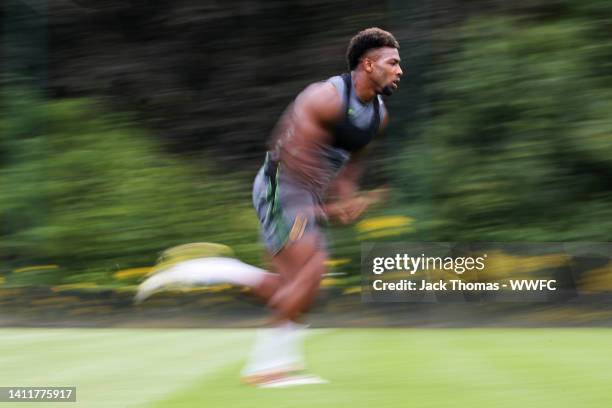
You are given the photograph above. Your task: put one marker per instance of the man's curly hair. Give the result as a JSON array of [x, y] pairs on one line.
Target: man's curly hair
[[366, 40]]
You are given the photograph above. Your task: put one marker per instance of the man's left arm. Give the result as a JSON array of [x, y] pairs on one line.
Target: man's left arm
[[347, 203], [346, 184]]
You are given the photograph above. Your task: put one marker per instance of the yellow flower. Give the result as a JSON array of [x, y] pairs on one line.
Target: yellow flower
[[384, 222], [132, 273], [330, 282], [337, 262], [385, 226], [36, 268], [72, 286], [597, 280], [387, 232], [196, 250], [351, 290]]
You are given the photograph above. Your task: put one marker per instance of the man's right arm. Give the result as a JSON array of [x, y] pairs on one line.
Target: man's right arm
[[310, 120]]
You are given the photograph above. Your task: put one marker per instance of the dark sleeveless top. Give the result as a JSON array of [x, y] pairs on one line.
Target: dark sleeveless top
[[348, 136]]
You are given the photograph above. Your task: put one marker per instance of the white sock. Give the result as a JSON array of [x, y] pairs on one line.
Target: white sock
[[277, 349], [293, 334]]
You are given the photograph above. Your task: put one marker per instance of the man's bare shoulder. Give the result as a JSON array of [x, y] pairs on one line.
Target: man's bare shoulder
[[321, 101]]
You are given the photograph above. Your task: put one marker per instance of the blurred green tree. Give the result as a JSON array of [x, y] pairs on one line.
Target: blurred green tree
[[519, 143], [89, 191]]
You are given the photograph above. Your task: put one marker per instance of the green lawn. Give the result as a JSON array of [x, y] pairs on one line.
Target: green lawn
[[366, 368]]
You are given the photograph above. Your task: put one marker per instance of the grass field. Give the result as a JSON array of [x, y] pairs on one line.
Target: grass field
[[152, 368]]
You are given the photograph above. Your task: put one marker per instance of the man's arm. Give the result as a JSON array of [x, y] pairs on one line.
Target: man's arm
[[347, 183], [307, 125], [347, 205]]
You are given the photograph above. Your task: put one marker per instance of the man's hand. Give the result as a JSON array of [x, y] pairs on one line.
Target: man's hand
[[349, 210]]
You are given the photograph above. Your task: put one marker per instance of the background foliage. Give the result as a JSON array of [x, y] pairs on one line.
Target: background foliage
[[128, 129]]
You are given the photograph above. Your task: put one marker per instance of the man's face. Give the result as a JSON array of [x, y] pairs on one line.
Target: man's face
[[385, 69]]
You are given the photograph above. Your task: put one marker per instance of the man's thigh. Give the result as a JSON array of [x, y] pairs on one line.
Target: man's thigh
[[290, 261], [301, 266]]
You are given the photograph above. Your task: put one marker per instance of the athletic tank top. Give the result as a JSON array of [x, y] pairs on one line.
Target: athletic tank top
[[361, 121], [357, 127]]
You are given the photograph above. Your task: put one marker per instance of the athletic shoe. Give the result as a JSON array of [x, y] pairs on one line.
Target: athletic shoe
[[282, 379], [293, 381]]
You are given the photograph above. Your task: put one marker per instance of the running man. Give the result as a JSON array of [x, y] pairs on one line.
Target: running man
[[310, 175]]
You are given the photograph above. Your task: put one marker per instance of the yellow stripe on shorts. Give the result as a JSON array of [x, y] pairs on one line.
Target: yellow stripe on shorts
[[298, 228]]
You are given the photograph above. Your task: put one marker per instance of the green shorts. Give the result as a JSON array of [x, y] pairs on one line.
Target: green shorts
[[286, 209]]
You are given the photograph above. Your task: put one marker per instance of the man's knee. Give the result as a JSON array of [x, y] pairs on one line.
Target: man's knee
[[316, 267], [295, 255]]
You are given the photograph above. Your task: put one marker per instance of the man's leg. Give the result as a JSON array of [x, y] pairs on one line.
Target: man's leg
[[294, 287], [300, 266], [278, 349]]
